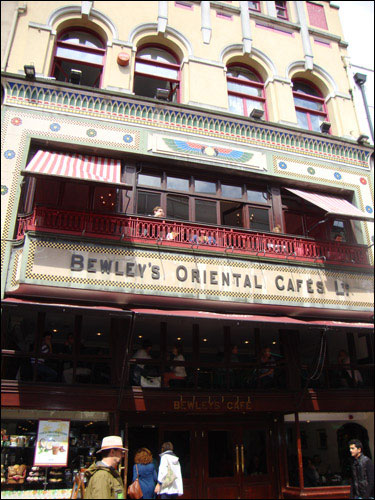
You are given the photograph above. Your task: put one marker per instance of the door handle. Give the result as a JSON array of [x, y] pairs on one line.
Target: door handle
[[237, 460], [242, 459]]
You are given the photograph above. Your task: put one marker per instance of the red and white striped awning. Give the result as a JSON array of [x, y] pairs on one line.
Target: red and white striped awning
[[91, 168], [332, 205]]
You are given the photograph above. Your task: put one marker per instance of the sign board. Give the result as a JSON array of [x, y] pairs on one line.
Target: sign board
[[52, 444], [223, 278]]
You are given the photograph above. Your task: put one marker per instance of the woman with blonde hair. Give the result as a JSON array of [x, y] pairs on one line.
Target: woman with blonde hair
[[145, 470]]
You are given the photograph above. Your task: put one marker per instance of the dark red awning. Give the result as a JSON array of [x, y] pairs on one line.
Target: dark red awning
[[249, 317]]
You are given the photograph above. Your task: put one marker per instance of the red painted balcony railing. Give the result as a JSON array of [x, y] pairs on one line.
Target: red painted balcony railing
[[182, 234]]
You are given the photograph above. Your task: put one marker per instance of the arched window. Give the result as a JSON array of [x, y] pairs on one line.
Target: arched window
[[310, 107], [79, 58], [157, 74], [245, 91]]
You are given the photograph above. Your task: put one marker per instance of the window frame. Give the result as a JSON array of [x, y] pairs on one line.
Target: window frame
[[247, 83], [284, 9], [57, 60], [307, 111], [176, 66], [256, 9]]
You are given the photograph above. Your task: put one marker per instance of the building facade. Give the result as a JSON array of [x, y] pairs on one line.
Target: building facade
[[186, 183]]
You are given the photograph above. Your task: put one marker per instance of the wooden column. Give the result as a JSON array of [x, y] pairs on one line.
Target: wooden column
[[299, 451]]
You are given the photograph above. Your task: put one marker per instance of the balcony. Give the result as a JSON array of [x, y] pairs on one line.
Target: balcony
[[187, 235]]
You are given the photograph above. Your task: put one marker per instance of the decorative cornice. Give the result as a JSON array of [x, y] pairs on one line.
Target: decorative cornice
[[115, 107]]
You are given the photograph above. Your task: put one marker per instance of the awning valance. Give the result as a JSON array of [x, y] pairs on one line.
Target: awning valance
[[332, 205], [76, 166], [250, 317]]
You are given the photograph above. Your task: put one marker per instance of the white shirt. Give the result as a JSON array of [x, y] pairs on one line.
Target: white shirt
[[176, 486]]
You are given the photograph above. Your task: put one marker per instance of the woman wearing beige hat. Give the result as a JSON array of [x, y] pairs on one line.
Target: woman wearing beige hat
[[103, 478]]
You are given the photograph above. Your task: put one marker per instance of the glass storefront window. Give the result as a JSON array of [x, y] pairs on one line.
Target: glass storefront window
[[19, 432], [325, 437]]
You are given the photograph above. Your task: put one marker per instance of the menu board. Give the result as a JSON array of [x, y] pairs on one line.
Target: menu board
[[51, 447]]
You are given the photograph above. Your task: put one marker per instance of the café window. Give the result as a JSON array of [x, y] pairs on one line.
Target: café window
[[79, 58], [157, 74], [245, 90]]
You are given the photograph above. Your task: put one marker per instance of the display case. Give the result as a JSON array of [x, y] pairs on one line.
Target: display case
[[18, 441]]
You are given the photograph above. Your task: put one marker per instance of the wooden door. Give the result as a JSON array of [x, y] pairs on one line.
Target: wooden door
[[238, 462], [257, 465]]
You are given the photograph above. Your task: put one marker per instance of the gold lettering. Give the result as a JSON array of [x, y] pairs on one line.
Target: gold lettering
[[230, 405], [176, 405]]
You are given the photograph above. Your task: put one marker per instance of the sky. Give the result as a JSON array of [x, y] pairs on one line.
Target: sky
[[357, 20]]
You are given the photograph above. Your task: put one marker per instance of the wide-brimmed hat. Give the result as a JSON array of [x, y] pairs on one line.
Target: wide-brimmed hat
[[112, 442]]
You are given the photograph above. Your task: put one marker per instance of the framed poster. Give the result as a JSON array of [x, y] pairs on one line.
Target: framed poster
[[52, 443]]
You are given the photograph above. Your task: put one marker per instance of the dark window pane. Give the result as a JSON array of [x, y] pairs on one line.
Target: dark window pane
[[259, 219], [257, 196], [147, 202], [228, 191], [178, 207], [205, 187], [47, 192], [149, 180], [255, 453], [205, 211], [181, 447], [177, 184], [105, 199], [76, 196], [294, 223], [221, 460], [90, 75]]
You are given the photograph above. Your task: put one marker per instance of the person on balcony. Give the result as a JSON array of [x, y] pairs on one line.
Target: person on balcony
[[172, 235], [203, 239], [346, 376], [158, 212], [177, 372], [44, 370], [140, 370], [266, 372]]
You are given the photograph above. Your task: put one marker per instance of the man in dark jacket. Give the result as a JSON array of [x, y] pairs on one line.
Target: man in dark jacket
[[104, 480], [362, 472]]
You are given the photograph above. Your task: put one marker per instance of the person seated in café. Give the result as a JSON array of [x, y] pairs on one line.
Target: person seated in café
[[177, 372], [310, 474], [203, 239], [83, 373], [139, 369], [346, 376], [266, 371], [44, 367]]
